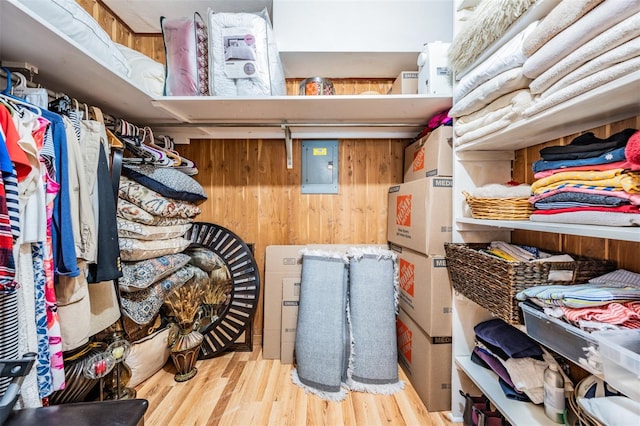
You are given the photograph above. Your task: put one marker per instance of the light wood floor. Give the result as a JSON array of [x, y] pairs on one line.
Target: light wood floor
[[242, 389]]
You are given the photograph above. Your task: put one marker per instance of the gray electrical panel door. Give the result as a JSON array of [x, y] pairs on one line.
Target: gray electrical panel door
[[320, 167]]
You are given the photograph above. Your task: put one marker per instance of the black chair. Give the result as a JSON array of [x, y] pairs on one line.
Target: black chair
[[123, 412]]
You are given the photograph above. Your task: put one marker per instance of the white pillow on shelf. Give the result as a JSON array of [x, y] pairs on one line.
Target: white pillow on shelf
[[70, 19], [146, 73]]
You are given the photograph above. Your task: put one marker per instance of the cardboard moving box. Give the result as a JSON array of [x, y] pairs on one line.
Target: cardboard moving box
[[282, 263], [290, 300], [405, 84], [419, 214], [425, 290], [427, 362], [431, 155]]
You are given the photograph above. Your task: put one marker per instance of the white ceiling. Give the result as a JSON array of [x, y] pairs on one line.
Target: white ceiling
[[143, 16]]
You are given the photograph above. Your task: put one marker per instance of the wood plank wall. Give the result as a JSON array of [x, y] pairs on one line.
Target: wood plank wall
[[252, 193]]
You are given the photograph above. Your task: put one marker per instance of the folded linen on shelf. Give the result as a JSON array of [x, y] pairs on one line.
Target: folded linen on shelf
[[613, 156], [576, 199], [621, 33], [499, 114], [579, 295], [509, 56], [628, 50], [560, 17], [615, 179], [599, 19], [620, 277], [582, 86], [583, 217], [489, 21], [587, 145], [506, 82], [595, 167], [630, 198]]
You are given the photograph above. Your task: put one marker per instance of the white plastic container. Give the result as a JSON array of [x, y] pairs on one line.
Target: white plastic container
[[620, 351], [554, 403]]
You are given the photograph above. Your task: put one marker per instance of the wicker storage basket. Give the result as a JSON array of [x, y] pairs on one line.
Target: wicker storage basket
[[513, 208], [493, 283]]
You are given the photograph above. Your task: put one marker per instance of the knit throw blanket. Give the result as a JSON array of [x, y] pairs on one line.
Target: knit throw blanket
[[346, 331], [373, 289], [321, 348]]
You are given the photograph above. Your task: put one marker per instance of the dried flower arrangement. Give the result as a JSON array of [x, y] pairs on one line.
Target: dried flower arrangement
[[184, 301]]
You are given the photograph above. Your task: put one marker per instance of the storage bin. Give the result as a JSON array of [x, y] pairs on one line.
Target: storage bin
[[493, 283], [620, 352], [571, 342]]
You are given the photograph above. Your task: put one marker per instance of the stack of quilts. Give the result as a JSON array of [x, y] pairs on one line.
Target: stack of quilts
[[580, 46], [589, 181]]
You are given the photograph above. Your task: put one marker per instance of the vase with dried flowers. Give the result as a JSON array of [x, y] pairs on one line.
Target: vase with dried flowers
[[184, 303], [216, 294]]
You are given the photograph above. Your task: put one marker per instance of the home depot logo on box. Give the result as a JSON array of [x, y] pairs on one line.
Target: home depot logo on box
[[418, 160], [403, 210], [404, 340], [407, 274]]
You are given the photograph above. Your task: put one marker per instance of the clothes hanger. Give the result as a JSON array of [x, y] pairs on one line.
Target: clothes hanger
[[16, 102]]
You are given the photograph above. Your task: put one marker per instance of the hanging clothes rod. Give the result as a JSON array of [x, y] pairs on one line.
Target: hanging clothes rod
[[287, 124]]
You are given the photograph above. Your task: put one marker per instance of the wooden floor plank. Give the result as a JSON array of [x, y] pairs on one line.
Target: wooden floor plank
[[242, 389]]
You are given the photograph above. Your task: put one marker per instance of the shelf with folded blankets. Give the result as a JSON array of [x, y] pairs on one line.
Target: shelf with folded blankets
[[492, 145]]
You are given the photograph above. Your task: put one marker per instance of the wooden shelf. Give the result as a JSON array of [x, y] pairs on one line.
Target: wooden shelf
[[65, 67], [611, 232], [516, 412], [385, 116]]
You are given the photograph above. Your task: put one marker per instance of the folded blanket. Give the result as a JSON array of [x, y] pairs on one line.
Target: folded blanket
[[563, 15], [627, 208], [616, 155], [588, 175], [631, 198], [599, 19], [594, 167], [629, 181], [620, 277], [496, 116], [582, 198], [592, 82], [506, 82], [618, 34], [489, 21], [612, 313], [587, 145], [590, 218], [579, 295], [628, 50], [507, 57]]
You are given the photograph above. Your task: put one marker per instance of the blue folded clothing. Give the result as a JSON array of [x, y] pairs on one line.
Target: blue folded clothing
[[513, 342]]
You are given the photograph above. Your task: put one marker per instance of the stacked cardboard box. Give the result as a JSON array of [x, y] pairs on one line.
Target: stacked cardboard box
[[419, 223]]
